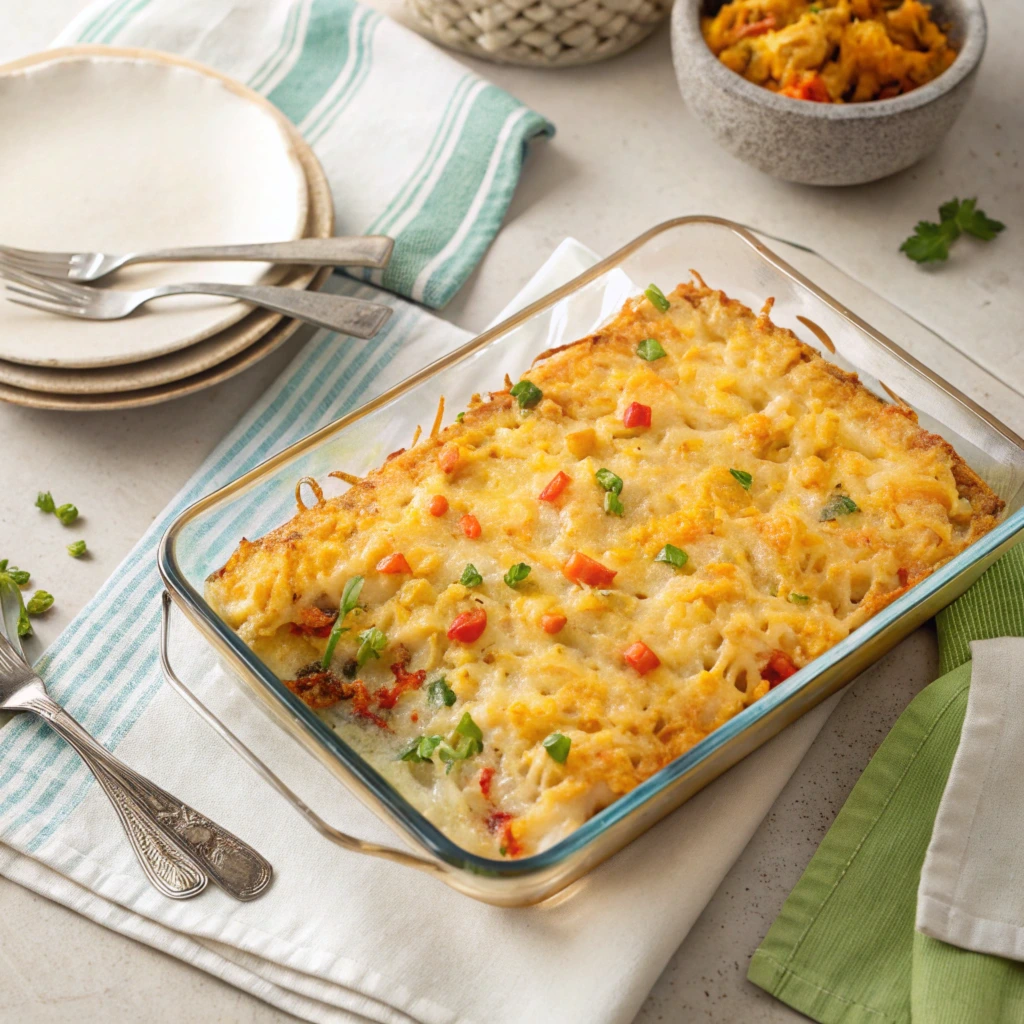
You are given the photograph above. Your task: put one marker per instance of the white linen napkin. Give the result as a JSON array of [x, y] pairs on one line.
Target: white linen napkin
[[971, 892], [341, 937]]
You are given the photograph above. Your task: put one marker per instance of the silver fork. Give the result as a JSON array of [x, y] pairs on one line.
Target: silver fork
[[178, 848], [357, 318], [343, 251]]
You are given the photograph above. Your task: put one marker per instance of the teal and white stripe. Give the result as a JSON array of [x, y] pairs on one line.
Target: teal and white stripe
[[104, 667], [413, 145]]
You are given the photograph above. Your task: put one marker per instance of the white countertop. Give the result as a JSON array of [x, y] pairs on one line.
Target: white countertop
[[627, 155]]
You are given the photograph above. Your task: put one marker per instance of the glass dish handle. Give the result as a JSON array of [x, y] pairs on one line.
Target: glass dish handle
[[342, 839]]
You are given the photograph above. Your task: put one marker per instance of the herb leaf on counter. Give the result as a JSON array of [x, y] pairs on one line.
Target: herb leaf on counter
[[930, 242]]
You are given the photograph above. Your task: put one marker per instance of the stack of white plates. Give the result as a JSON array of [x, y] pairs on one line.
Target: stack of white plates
[[115, 150]]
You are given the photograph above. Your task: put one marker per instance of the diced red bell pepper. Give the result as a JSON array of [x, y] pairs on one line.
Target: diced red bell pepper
[[468, 627], [756, 28], [394, 564], [582, 569], [637, 415], [641, 657], [553, 622], [448, 458], [557, 484], [778, 668]]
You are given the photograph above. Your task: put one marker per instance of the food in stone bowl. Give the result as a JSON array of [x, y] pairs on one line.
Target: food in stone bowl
[[889, 78]]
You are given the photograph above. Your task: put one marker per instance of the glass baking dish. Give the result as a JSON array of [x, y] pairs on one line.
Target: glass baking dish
[[728, 257]]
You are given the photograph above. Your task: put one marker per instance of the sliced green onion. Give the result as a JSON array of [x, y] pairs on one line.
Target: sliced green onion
[[460, 417], [608, 480], [527, 394], [517, 573], [466, 742], [673, 555], [371, 642], [743, 478], [613, 504], [557, 747], [77, 549], [471, 576], [349, 601], [19, 576], [44, 501], [67, 514], [39, 602], [650, 349], [420, 749], [467, 727], [799, 598], [657, 298], [439, 692], [838, 505], [23, 626]]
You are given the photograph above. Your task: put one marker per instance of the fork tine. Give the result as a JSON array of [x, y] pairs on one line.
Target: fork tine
[[35, 253], [53, 307], [59, 289], [43, 297], [34, 263]]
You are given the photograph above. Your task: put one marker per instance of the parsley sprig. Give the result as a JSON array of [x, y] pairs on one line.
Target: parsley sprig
[[930, 242]]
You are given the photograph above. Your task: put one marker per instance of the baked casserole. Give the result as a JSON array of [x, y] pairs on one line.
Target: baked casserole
[[533, 610]]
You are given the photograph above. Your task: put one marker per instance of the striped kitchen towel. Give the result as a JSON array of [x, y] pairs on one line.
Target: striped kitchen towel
[[413, 145]]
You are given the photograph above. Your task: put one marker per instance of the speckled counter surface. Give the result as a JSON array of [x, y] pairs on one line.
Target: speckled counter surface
[[627, 156]]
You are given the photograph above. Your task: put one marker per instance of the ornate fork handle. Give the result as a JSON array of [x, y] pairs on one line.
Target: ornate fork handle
[[177, 846]]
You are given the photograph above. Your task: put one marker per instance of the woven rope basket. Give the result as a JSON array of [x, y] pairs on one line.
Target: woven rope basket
[[546, 33]]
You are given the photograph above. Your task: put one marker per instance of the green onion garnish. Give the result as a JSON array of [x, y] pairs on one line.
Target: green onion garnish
[[650, 349], [67, 514], [439, 692], [467, 740], [44, 501], [557, 747], [470, 576], [9, 578], [517, 573], [460, 417], [349, 601], [743, 478], [613, 504], [39, 602], [420, 749], [527, 394], [371, 642], [673, 555], [77, 549], [609, 481], [657, 298], [18, 576], [799, 598], [838, 505]]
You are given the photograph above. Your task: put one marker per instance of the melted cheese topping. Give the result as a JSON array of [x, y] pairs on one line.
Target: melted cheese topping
[[768, 586]]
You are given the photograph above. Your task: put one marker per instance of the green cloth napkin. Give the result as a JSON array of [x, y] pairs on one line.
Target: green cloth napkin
[[843, 950]]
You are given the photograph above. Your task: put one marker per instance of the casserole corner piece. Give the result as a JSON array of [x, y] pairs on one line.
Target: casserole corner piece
[[532, 611]]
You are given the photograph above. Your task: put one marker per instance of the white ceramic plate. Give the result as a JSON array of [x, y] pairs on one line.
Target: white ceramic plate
[[117, 153]]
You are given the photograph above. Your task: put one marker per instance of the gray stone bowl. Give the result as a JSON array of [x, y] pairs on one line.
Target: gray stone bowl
[[825, 143]]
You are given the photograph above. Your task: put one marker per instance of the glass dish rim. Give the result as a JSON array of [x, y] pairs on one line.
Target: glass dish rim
[[412, 821]]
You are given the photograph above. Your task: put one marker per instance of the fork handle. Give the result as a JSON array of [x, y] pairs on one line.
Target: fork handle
[[357, 318], [343, 251], [178, 847]]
